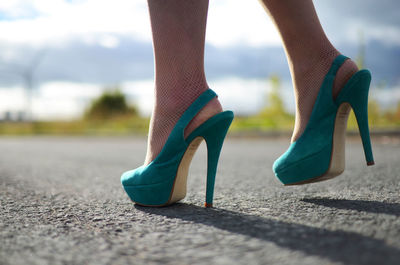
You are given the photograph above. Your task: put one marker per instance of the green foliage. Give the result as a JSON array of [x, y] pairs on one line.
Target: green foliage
[[394, 115], [274, 113], [109, 114], [360, 59], [378, 119], [275, 103], [110, 105], [272, 117], [118, 126]]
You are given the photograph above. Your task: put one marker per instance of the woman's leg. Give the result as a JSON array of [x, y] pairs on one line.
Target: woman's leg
[[178, 28], [309, 54]]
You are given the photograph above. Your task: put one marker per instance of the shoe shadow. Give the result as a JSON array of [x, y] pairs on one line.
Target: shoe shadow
[[337, 246], [358, 205]]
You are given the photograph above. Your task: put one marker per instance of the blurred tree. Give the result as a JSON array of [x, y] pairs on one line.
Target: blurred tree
[[360, 60], [275, 101], [111, 104], [374, 113], [374, 116], [274, 113], [392, 117], [397, 113]]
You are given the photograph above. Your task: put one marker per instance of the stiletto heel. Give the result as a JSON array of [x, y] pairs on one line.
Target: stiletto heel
[[319, 153], [362, 120], [163, 181], [214, 137], [357, 97]]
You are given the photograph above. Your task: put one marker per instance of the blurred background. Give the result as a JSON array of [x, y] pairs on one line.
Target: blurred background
[[86, 66]]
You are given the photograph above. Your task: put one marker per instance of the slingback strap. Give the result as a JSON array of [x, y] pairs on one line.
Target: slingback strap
[[195, 107], [339, 60], [176, 141], [327, 84], [324, 101]]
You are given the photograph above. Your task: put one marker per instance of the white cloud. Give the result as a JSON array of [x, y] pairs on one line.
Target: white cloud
[[377, 20], [16, 8], [56, 21], [140, 93], [109, 41], [63, 100], [12, 99], [388, 34], [387, 97], [240, 22], [230, 22]]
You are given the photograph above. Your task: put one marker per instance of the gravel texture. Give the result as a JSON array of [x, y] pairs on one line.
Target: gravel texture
[[61, 202]]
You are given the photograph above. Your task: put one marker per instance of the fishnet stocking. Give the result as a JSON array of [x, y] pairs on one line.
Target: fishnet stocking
[[178, 28], [309, 53], [307, 85]]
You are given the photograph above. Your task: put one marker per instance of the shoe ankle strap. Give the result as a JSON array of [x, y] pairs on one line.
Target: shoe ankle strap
[[175, 141], [195, 107], [339, 60]]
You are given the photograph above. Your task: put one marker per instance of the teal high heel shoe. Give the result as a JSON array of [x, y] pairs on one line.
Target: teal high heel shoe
[[163, 181], [319, 153]]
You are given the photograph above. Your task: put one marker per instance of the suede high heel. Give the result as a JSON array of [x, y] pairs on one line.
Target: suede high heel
[[163, 181], [319, 153]]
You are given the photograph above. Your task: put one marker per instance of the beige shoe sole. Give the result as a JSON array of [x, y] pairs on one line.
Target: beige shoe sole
[[337, 163], [180, 183]]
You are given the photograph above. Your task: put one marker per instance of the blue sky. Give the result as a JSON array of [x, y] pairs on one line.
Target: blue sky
[[90, 44]]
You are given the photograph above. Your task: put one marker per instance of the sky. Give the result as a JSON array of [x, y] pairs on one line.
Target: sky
[[78, 48]]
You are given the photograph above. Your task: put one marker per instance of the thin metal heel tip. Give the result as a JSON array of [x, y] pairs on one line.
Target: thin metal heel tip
[[370, 163], [208, 205]]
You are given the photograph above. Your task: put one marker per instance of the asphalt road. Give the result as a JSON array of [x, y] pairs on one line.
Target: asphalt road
[[61, 202]]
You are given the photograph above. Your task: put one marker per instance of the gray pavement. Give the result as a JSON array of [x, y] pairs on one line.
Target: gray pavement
[[61, 203]]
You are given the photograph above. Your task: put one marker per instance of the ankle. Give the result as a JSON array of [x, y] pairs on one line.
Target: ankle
[[345, 72], [307, 65], [178, 97], [212, 108], [166, 115], [308, 77]]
